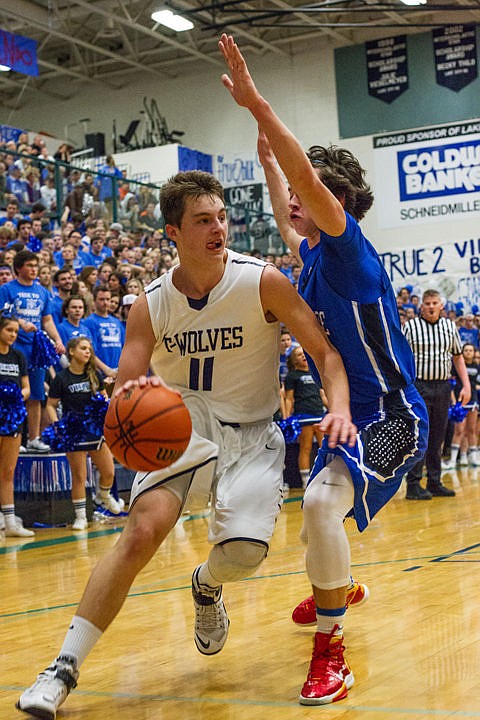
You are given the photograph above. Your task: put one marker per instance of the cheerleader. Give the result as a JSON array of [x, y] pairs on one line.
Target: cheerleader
[[303, 397], [13, 369], [464, 442], [74, 387]]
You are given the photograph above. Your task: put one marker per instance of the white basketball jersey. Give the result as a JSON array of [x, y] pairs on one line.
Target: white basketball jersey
[[224, 349]]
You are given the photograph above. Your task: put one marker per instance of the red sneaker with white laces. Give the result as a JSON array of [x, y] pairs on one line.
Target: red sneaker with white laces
[[305, 613], [329, 677]]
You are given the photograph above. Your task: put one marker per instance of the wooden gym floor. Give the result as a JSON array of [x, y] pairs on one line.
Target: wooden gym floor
[[414, 647]]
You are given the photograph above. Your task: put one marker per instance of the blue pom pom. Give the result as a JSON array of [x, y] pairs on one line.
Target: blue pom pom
[[290, 428], [475, 309], [43, 351], [74, 428], [458, 412], [64, 434], [94, 415], [12, 408]]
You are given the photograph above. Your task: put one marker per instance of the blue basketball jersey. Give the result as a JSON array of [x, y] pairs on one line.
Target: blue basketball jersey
[[346, 285]]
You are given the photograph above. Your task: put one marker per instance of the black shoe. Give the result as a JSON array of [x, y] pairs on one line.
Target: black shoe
[[416, 492], [441, 491]]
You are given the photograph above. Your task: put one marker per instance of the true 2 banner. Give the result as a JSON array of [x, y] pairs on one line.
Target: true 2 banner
[[452, 268]]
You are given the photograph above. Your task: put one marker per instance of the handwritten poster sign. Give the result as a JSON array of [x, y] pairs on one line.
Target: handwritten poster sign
[[455, 51], [18, 53], [249, 197], [452, 268], [387, 68]]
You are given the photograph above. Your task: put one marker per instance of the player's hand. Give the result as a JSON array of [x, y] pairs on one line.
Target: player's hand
[[143, 381], [239, 84], [264, 149], [340, 429]]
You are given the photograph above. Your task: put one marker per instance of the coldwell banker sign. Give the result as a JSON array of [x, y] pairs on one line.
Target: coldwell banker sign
[[427, 175]]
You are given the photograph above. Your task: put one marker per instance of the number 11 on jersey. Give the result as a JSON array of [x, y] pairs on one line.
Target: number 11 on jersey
[[201, 371]]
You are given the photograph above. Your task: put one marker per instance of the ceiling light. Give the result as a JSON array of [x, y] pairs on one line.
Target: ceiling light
[[171, 20], [4, 68], [414, 2]]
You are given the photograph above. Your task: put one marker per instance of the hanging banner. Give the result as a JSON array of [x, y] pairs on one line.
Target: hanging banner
[[387, 70], [18, 53], [193, 160], [455, 51], [452, 268], [427, 175]]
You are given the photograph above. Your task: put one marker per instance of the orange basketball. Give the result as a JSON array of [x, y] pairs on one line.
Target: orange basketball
[[147, 428]]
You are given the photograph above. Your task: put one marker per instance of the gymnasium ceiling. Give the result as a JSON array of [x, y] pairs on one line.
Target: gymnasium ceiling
[[109, 42]]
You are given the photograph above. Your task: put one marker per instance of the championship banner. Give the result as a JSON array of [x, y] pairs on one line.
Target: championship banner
[[387, 70], [452, 268], [18, 53], [455, 52], [427, 175]]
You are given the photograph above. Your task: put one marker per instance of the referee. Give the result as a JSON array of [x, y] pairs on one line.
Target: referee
[[435, 342]]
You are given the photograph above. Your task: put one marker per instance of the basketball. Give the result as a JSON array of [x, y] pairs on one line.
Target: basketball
[[147, 428]]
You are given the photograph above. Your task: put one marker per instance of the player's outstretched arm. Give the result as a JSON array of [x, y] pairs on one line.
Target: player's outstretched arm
[[279, 195], [325, 209], [281, 301]]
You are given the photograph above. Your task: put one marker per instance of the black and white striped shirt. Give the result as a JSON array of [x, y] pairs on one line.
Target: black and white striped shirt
[[433, 345]]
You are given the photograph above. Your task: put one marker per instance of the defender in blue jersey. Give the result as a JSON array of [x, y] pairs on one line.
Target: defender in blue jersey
[[344, 282]]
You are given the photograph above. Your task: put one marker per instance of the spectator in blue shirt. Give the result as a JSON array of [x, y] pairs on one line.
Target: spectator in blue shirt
[[31, 304], [108, 333], [468, 331]]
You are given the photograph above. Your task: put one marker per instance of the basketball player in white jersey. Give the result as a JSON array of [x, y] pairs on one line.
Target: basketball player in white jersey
[[210, 328]]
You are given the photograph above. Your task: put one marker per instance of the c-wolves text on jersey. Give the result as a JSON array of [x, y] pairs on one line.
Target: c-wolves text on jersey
[[207, 340]]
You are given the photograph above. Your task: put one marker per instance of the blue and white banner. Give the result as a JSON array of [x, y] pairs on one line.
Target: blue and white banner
[[427, 175], [18, 53], [9, 133], [452, 268]]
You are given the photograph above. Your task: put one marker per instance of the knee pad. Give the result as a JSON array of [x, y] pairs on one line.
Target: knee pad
[[236, 559]]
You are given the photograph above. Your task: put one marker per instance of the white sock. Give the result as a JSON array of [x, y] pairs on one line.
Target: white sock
[[103, 492], [328, 619], [304, 474], [9, 516], [454, 452], [205, 577], [80, 507], [80, 639]]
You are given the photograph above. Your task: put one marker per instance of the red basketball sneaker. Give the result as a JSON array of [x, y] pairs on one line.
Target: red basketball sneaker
[[329, 677], [305, 613]]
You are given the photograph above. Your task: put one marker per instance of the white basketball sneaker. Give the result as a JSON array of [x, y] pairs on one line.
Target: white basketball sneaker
[[50, 689], [109, 503], [211, 619]]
